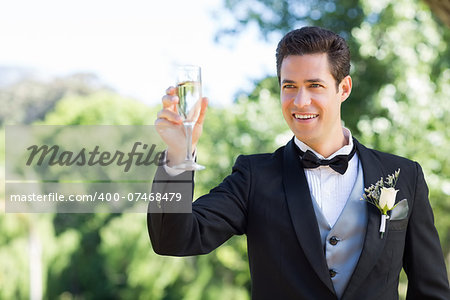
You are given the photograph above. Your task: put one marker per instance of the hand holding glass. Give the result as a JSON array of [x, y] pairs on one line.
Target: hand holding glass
[[189, 90]]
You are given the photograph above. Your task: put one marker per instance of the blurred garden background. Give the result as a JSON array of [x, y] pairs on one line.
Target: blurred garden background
[[399, 104]]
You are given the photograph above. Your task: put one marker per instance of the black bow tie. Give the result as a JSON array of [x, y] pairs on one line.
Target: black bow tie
[[339, 163]]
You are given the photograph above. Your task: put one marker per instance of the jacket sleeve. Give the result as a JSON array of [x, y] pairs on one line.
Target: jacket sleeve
[[423, 260], [214, 219]]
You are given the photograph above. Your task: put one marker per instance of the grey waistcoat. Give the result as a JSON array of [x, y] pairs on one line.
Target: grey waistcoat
[[343, 243]]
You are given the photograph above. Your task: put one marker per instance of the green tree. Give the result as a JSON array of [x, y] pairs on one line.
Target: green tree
[[86, 273], [29, 99], [67, 245], [109, 255]]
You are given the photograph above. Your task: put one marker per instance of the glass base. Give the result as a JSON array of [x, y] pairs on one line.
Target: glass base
[[189, 165]]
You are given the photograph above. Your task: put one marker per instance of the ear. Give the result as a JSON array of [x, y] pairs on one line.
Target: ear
[[345, 88]]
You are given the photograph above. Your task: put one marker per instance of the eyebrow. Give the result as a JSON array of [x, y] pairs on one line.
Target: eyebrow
[[305, 81], [287, 81], [314, 80]]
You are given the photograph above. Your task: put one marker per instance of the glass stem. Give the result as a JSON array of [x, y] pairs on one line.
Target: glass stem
[[188, 127]]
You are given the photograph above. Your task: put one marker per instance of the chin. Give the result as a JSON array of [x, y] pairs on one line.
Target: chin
[[304, 138], [304, 135]]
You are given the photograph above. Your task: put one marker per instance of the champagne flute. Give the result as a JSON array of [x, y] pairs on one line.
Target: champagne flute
[[189, 90]]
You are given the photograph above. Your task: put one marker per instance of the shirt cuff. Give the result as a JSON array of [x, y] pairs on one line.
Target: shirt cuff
[[175, 172]]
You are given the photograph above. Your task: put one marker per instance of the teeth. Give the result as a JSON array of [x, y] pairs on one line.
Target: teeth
[[304, 117]]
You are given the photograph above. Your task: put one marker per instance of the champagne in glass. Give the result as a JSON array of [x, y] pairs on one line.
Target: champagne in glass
[[189, 93], [189, 90]]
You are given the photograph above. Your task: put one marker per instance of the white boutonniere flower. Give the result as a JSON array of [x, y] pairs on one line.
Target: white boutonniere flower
[[383, 195]]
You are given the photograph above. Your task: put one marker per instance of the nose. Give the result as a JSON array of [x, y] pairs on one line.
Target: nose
[[302, 98]]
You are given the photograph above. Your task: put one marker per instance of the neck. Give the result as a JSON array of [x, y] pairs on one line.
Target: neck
[[327, 148]]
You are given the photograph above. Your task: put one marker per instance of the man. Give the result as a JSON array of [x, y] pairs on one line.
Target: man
[[309, 234]]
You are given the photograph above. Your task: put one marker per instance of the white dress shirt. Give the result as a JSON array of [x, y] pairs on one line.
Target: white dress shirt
[[328, 188]]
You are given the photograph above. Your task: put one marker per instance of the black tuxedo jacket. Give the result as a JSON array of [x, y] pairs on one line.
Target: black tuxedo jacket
[[267, 198]]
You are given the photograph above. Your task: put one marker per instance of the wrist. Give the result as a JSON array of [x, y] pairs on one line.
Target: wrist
[[174, 156], [177, 156]]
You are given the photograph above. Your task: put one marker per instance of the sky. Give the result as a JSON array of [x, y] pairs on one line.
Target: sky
[[134, 45]]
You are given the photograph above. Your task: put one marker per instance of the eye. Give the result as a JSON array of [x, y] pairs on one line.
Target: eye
[[316, 85], [288, 86]]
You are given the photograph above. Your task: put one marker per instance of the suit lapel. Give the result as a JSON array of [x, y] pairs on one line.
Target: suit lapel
[[373, 244], [302, 213]]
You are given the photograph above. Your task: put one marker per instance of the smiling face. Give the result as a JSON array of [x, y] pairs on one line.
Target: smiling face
[[310, 102]]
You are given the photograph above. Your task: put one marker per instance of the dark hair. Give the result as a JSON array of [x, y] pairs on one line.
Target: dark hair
[[311, 40]]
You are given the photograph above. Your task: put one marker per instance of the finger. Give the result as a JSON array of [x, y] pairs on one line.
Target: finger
[[162, 124], [203, 108], [171, 90], [167, 130], [169, 115], [170, 101]]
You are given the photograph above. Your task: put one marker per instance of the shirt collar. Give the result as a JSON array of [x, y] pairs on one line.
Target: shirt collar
[[343, 151]]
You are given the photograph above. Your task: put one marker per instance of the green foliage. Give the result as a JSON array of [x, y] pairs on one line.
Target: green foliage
[[87, 273], [414, 103], [14, 267], [99, 108], [30, 99], [72, 262]]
